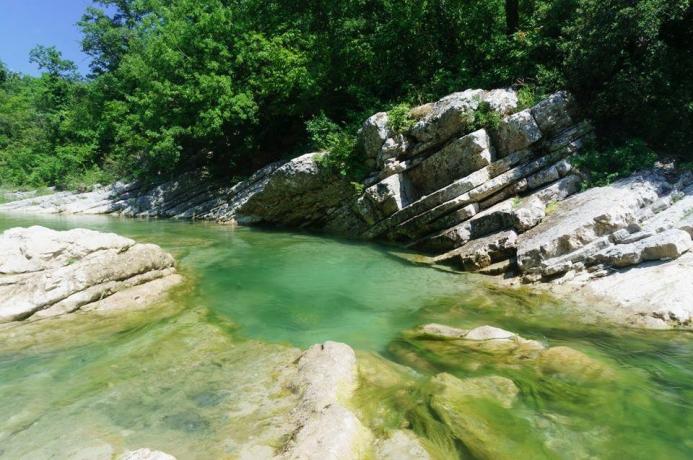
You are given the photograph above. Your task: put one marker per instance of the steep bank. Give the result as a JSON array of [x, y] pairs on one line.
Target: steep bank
[[496, 197]]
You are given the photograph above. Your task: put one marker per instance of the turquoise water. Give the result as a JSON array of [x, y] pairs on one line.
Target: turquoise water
[[194, 375]]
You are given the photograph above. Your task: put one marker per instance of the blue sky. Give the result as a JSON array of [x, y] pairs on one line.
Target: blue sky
[[26, 23]]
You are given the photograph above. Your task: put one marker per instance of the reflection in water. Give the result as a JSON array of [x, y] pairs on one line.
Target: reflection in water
[[202, 375]]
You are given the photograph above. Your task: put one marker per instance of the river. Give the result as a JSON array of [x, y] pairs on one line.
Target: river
[[196, 376]]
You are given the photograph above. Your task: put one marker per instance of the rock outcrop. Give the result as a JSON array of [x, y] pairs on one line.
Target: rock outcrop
[[489, 192], [325, 428], [46, 273], [626, 245]]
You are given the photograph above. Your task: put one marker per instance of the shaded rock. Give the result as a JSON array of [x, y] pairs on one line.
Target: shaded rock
[[384, 198], [298, 193], [46, 273], [516, 132], [482, 252], [554, 113]]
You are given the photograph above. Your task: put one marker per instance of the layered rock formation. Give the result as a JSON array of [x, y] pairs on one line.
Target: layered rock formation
[[47, 273], [477, 183]]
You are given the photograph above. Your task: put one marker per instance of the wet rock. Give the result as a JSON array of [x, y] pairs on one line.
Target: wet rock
[[500, 389], [573, 364], [401, 445], [473, 424], [482, 252], [449, 342], [46, 273], [146, 454]]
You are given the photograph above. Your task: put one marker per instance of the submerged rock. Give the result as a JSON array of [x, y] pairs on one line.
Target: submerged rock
[[568, 362], [45, 272], [485, 432], [146, 454], [401, 445], [499, 389]]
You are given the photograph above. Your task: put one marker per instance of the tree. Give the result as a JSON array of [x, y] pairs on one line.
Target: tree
[[512, 16]]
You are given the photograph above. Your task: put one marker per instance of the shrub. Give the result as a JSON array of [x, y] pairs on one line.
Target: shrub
[[485, 117], [341, 155], [400, 119], [526, 97], [605, 165]]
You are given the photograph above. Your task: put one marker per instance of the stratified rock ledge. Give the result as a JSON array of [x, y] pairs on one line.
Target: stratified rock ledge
[[47, 273]]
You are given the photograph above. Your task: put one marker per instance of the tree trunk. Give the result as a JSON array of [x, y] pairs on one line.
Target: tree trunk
[[512, 16]]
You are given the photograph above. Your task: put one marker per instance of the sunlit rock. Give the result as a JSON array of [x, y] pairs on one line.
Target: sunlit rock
[[47, 273]]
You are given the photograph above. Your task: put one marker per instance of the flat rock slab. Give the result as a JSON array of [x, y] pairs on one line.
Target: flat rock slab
[[45, 272], [653, 294], [584, 218]]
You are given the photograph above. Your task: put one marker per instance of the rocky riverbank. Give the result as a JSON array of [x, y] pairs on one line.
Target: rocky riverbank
[[46, 273], [499, 198]]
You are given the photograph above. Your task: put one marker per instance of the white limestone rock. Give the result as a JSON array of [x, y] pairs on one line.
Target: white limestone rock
[[46, 273], [146, 454], [373, 133], [516, 132], [554, 113], [457, 159]]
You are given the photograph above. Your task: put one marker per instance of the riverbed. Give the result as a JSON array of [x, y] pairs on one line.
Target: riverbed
[[197, 376]]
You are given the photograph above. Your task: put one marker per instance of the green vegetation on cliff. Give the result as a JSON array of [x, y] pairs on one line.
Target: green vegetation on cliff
[[231, 86]]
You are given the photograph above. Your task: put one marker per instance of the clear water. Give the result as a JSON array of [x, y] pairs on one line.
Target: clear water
[[200, 376]]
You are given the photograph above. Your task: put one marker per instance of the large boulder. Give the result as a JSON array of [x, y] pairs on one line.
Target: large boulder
[[457, 159], [384, 198], [46, 273], [517, 132], [554, 113], [447, 116], [373, 134], [325, 428], [299, 193]]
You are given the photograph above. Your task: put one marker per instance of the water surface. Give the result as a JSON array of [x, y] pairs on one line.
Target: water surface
[[200, 375]]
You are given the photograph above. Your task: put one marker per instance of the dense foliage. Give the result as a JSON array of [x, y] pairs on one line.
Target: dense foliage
[[231, 85]]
